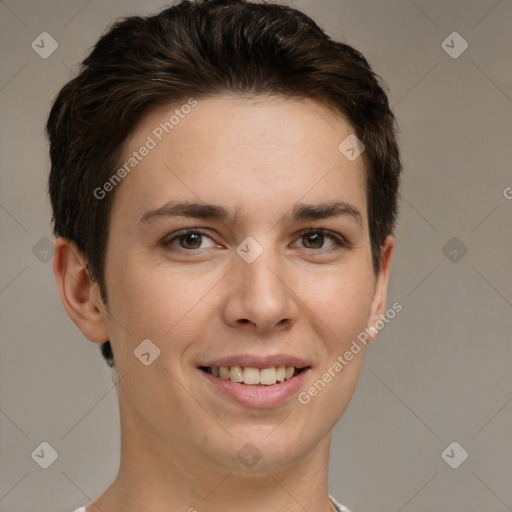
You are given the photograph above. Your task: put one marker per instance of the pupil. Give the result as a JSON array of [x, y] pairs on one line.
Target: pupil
[[315, 239], [194, 238]]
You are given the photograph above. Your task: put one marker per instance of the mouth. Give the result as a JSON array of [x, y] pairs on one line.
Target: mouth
[[252, 376], [256, 382]]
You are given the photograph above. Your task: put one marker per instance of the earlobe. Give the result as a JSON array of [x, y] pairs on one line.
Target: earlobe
[[78, 292], [381, 285]]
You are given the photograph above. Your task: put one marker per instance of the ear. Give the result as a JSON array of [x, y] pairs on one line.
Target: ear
[[80, 295], [381, 286]]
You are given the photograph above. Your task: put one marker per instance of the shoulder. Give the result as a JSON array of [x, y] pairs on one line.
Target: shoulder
[[339, 506]]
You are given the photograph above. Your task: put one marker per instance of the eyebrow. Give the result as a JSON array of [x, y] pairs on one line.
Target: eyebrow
[[299, 212]]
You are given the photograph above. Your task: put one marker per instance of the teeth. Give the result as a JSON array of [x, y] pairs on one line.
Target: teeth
[[254, 376], [280, 373], [268, 375], [236, 374], [251, 376]]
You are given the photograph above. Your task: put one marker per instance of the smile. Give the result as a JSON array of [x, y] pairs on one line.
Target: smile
[[267, 387], [252, 376]]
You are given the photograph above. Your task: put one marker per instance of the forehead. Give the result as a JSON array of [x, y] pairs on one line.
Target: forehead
[[236, 120], [247, 151]]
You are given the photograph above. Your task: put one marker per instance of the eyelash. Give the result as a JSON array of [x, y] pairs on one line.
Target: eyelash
[[338, 240]]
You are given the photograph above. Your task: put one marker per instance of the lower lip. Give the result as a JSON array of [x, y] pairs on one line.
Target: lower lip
[[259, 397]]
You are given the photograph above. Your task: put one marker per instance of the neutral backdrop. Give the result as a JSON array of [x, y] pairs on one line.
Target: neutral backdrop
[[440, 372]]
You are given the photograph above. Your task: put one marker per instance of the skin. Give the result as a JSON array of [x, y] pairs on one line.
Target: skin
[[301, 296]]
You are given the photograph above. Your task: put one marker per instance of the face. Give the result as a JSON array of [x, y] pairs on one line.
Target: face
[[239, 243]]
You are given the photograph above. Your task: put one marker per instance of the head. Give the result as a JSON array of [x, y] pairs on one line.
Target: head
[[244, 106]]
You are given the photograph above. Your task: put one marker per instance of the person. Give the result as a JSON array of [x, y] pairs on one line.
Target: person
[[224, 182]]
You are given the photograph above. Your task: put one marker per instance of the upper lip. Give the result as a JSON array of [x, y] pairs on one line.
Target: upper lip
[[253, 361]]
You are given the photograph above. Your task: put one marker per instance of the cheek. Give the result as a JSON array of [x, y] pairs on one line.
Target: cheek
[[157, 302], [341, 301], [341, 304]]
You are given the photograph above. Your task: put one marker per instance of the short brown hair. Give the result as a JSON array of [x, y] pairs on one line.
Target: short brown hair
[[199, 49]]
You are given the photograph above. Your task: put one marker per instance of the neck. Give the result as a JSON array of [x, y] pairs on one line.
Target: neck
[[160, 477]]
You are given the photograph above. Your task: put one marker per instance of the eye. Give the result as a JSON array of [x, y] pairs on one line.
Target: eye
[[188, 239], [315, 239]]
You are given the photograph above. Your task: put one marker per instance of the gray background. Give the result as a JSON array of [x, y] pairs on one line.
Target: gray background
[[439, 372]]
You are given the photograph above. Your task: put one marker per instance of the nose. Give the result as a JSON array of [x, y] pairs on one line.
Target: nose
[[260, 296]]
